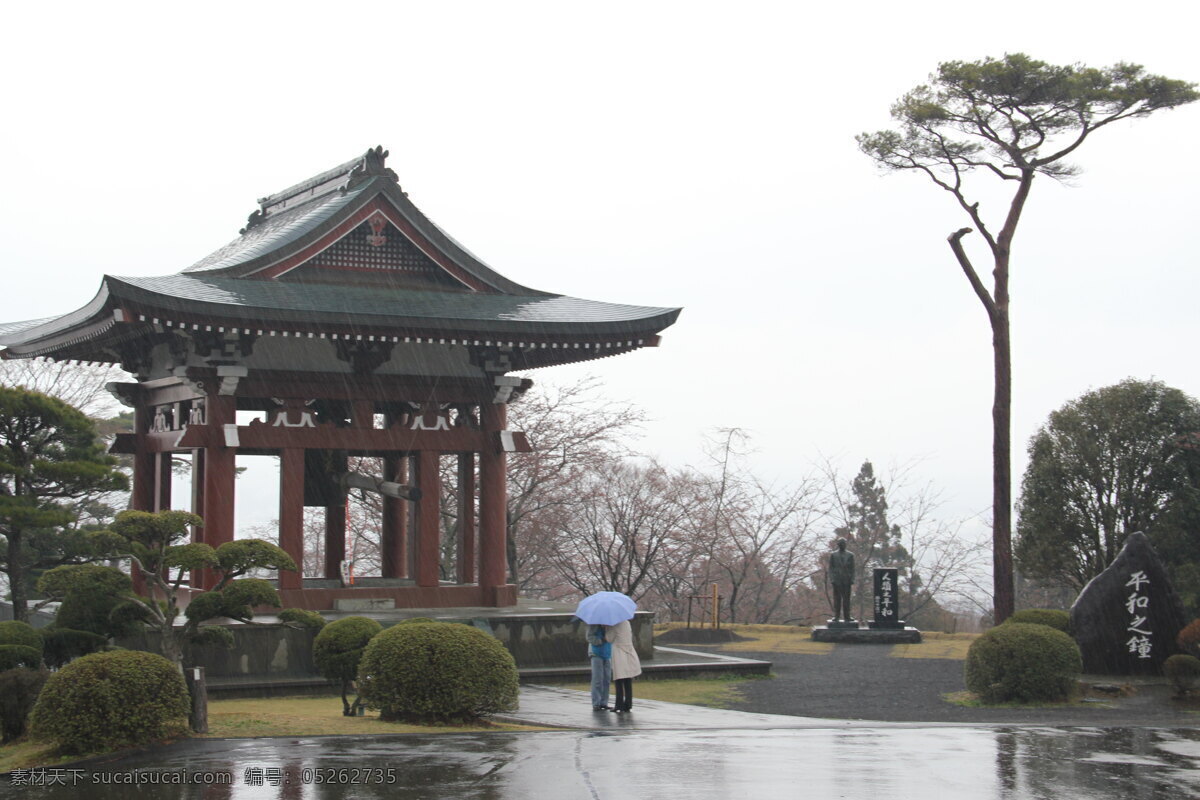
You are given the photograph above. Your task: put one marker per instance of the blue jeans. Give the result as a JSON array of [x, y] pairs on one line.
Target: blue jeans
[[601, 678]]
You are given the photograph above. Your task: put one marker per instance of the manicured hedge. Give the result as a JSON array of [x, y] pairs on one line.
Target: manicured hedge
[[22, 634], [302, 617], [338, 649], [64, 644], [1188, 638], [104, 701], [14, 656], [437, 671], [1183, 671], [1021, 662], [18, 692]]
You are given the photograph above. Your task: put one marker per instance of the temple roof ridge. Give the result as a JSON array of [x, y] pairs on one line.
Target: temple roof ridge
[[294, 225], [339, 179]]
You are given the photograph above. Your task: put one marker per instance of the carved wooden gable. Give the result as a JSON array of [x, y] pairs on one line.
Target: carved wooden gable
[[377, 248]]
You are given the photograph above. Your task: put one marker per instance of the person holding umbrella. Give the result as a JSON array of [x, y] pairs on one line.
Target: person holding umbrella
[[600, 652], [625, 665], [602, 611]]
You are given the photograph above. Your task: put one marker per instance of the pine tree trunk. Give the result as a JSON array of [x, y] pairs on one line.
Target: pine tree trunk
[[1002, 569], [16, 576], [172, 649]]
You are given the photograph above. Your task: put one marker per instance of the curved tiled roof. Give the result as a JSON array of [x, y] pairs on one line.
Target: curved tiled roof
[[362, 305], [275, 232], [240, 284], [15, 329]]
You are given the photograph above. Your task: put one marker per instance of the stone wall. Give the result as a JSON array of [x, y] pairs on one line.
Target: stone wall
[[276, 652]]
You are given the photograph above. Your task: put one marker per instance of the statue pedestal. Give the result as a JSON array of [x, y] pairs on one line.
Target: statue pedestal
[[850, 633], [887, 625]]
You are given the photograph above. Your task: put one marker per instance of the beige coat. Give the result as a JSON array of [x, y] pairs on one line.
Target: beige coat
[[625, 661]]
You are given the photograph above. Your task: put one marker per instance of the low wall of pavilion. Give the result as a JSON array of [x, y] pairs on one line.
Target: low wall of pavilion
[[267, 653]]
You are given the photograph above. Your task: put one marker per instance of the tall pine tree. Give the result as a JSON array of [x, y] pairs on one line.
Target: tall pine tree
[[51, 465]]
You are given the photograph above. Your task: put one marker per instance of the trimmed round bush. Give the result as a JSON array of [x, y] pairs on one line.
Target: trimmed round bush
[[1059, 620], [1183, 671], [104, 701], [1018, 661], [1188, 639], [14, 656], [18, 692], [22, 634], [338, 649], [302, 618], [64, 644], [90, 593], [437, 671], [339, 646]]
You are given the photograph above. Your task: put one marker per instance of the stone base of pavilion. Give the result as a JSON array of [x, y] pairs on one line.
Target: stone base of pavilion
[[865, 635], [546, 639], [399, 594]]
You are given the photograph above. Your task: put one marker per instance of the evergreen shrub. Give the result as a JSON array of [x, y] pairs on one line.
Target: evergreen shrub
[[104, 701], [1022, 662], [1188, 639], [92, 599], [338, 649], [302, 618], [1055, 618], [14, 656], [437, 671], [19, 690], [1183, 671], [21, 633], [65, 644]]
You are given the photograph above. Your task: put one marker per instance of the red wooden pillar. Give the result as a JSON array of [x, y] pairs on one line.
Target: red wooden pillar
[[394, 538], [466, 518], [335, 540], [291, 514], [196, 579], [428, 542], [198, 491], [142, 490], [493, 502], [162, 482], [143, 463], [220, 460]]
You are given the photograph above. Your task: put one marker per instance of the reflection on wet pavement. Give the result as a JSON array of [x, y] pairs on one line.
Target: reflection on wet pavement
[[895, 762]]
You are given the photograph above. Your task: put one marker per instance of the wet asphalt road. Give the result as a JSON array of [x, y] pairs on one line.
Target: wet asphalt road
[[862, 682], [856, 762]]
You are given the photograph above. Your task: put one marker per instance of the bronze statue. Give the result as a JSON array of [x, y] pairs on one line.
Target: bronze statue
[[841, 576]]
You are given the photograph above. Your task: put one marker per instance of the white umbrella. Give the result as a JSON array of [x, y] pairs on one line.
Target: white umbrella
[[606, 608]]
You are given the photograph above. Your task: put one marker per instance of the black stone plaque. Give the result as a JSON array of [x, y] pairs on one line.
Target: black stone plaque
[[1125, 621], [887, 598]]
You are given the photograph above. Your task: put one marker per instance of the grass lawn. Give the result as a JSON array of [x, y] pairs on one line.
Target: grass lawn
[[937, 645], [313, 716], [24, 753], [762, 639], [793, 639], [275, 716]]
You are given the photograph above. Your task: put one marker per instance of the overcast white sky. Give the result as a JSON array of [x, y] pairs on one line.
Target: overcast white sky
[[656, 153]]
